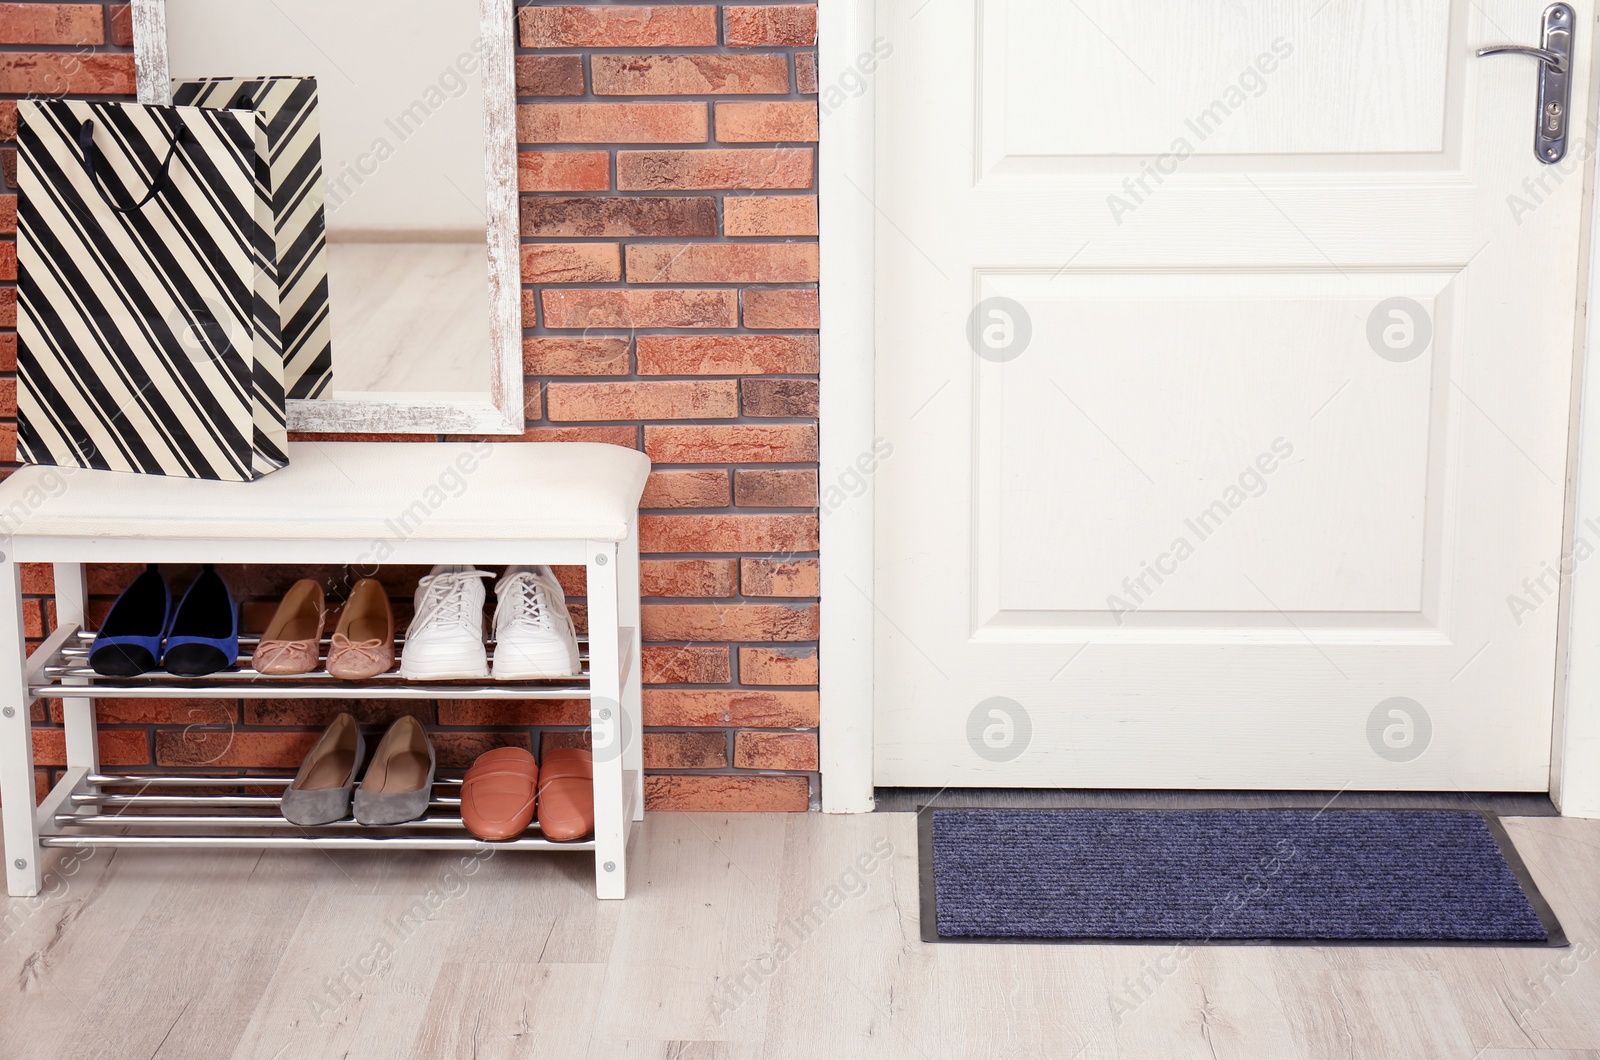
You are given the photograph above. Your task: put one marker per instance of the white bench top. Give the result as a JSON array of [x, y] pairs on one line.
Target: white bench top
[[486, 491]]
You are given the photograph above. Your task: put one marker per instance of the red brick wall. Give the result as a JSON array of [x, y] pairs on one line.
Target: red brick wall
[[669, 303]]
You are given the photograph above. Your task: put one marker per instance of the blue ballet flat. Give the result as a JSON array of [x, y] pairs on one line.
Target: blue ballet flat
[[204, 636], [129, 641]]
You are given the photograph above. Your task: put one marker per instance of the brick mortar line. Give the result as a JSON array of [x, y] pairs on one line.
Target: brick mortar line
[[718, 50], [740, 420], [568, 380], [85, 48], [712, 98], [671, 556], [804, 602], [272, 729], [539, 239], [623, 332], [640, 285], [669, 145]]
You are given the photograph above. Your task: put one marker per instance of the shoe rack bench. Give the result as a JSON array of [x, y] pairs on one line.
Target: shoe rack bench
[[358, 504]]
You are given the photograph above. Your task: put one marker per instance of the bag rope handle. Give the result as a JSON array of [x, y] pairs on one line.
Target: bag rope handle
[[91, 152]]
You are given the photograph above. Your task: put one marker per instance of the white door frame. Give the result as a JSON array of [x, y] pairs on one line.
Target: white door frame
[[1575, 734], [849, 54], [847, 217]]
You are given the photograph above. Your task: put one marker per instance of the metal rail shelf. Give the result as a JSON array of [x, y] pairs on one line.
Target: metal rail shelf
[[65, 672], [82, 819]]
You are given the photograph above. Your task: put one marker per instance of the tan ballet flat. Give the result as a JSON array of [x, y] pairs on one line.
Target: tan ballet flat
[[399, 782], [363, 642], [290, 644]]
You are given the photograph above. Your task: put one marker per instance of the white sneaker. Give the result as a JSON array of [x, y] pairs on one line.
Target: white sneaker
[[445, 638], [533, 634]]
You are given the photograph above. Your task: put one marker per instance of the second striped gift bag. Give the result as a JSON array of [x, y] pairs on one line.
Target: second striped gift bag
[[147, 316], [294, 140]]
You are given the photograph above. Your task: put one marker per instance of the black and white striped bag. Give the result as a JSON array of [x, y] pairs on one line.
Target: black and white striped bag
[[294, 140], [147, 315]]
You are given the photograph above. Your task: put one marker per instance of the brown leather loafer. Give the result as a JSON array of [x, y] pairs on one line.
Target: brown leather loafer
[[566, 794], [290, 644], [363, 641], [497, 795]]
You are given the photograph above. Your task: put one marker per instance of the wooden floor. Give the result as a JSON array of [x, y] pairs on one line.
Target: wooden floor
[[294, 955]]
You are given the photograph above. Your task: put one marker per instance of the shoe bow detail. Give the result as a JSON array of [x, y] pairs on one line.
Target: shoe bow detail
[[373, 652]]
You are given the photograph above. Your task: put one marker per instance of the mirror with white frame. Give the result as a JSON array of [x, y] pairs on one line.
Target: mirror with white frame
[[416, 103]]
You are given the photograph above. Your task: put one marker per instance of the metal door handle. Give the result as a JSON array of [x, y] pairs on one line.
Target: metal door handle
[[1555, 81], [1554, 59]]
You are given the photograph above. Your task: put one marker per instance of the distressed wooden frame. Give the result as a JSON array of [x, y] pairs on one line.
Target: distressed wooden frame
[[500, 409]]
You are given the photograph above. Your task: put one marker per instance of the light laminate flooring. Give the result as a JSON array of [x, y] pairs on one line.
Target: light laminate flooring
[[744, 936]]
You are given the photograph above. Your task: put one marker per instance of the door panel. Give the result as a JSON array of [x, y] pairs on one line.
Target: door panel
[[1220, 466], [1130, 356], [1228, 79]]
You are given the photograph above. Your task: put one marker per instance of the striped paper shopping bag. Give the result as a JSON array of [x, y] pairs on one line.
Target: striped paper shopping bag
[[147, 316], [294, 141]]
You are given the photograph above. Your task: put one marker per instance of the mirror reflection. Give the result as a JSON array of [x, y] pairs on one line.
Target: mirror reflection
[[401, 106]]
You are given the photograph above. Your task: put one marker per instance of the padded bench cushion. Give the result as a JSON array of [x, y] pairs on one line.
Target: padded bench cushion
[[490, 491]]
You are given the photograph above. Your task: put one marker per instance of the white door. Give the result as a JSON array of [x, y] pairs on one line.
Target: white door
[[1225, 357]]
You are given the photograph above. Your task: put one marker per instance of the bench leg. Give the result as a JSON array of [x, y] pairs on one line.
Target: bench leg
[[24, 875], [83, 747], [610, 727], [633, 681]]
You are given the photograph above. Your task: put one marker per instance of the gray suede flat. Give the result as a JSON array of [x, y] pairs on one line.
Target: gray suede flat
[[321, 790], [399, 782]]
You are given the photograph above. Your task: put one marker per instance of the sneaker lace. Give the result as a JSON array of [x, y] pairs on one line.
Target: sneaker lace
[[444, 599], [524, 593]]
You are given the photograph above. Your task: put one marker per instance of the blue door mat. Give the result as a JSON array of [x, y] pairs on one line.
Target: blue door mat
[[1387, 877]]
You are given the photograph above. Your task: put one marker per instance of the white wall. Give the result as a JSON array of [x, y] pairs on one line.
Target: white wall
[[401, 94]]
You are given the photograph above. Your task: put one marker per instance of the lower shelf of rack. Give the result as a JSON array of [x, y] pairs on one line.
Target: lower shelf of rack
[[302, 842], [92, 817]]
